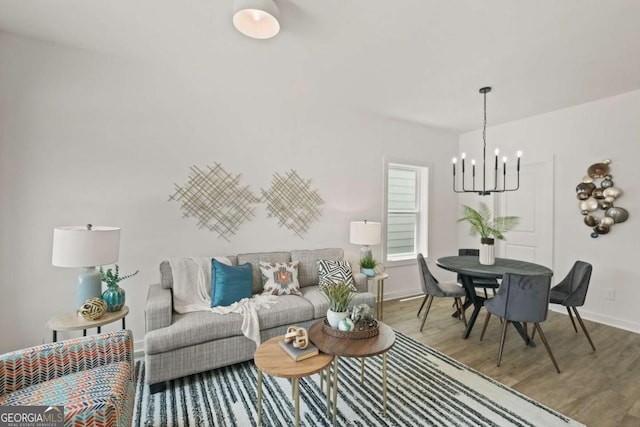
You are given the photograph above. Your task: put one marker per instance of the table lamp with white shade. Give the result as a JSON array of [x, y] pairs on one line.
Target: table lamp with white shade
[[365, 233], [85, 247]]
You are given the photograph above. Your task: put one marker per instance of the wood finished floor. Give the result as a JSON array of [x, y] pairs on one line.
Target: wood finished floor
[[600, 388]]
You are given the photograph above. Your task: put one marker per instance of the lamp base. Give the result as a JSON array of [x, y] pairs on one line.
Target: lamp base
[[365, 252], [88, 286]]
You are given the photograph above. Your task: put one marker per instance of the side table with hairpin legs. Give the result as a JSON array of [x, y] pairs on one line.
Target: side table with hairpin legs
[[72, 321]]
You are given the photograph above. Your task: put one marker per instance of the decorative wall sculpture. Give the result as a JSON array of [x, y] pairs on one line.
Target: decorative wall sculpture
[[597, 195], [293, 202], [216, 199]]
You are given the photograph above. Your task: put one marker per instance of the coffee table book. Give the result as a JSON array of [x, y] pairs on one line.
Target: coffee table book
[[299, 354]]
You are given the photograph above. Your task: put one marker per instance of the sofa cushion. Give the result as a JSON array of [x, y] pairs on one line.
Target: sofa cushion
[[321, 303], [280, 278], [255, 258], [229, 283], [191, 329], [308, 263], [289, 310]]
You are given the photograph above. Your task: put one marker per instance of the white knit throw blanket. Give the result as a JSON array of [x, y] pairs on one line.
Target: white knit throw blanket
[[249, 307], [192, 283]]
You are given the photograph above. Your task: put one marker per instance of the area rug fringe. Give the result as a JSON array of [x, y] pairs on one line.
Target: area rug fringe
[[425, 388]]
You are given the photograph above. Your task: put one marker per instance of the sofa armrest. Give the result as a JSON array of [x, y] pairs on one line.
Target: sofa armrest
[[360, 282], [159, 308], [34, 365]]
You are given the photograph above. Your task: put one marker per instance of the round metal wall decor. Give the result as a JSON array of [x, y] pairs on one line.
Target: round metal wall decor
[[597, 195]]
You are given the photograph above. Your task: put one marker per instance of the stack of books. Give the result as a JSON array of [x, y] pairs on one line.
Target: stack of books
[[298, 354]]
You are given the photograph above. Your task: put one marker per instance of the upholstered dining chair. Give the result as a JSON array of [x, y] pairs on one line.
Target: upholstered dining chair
[[521, 299], [572, 291], [432, 288], [479, 282]]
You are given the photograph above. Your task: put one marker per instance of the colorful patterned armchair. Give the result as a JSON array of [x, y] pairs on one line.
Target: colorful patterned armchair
[[92, 377]]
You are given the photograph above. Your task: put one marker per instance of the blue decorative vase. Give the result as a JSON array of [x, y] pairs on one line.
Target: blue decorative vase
[[114, 296], [369, 272]]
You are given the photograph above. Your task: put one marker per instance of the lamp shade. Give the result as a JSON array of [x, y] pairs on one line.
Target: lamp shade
[[365, 233], [82, 246], [257, 19]]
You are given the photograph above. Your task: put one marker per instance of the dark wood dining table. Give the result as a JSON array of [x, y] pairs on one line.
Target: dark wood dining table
[[469, 267]]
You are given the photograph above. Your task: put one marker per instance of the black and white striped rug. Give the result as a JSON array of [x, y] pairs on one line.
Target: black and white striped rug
[[424, 388]]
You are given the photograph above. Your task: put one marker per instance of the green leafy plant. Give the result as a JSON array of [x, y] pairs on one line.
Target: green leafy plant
[[339, 295], [482, 224], [112, 279], [368, 262]]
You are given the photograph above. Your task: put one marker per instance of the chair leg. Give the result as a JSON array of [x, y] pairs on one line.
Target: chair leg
[[502, 339], [461, 311], [584, 329], [572, 321], [422, 305], [486, 296], [533, 334], [426, 311], [484, 328], [546, 345]]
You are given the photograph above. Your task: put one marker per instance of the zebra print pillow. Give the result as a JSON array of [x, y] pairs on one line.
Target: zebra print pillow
[[330, 271]]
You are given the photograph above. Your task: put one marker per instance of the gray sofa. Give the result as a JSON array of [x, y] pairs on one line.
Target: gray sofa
[[177, 345]]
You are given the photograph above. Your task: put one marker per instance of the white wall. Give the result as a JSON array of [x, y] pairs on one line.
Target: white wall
[[576, 138], [86, 137]]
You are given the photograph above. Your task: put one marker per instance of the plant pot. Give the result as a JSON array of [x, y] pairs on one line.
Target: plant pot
[[334, 318], [369, 272], [114, 296], [487, 252]]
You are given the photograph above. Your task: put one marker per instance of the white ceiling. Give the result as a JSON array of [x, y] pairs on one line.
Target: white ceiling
[[421, 61]]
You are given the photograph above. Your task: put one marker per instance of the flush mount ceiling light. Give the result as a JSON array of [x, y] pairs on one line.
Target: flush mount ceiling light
[[257, 19]]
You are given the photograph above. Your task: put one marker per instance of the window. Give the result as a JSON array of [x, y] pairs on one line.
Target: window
[[406, 211]]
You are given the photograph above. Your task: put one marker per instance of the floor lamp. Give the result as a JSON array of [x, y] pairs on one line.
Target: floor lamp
[[85, 247]]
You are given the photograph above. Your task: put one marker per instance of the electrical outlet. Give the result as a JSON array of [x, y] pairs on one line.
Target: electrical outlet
[[610, 294]]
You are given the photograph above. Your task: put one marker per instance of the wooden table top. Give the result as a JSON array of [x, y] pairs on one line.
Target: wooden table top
[[345, 347], [271, 359], [72, 321]]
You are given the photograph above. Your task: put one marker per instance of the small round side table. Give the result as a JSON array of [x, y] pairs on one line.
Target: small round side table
[[271, 359], [72, 321]]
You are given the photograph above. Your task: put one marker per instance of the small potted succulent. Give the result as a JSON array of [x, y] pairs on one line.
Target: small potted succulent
[[340, 295], [114, 296], [488, 228], [368, 265]]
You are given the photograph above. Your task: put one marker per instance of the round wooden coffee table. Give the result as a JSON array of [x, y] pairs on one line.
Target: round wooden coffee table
[[271, 359], [345, 347]]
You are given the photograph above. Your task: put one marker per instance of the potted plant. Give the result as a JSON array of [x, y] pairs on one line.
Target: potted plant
[[340, 296], [488, 228], [114, 296], [368, 265]]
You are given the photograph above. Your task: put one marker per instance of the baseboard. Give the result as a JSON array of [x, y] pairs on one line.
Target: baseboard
[[138, 349], [599, 318], [402, 294]]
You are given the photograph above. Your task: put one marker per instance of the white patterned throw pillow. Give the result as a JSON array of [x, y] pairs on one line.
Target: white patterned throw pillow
[[280, 278], [330, 271]]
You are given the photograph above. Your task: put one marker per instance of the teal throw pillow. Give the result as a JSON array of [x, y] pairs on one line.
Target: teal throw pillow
[[229, 283]]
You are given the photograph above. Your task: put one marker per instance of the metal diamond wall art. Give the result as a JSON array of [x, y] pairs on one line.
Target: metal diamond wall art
[[293, 202], [216, 199]]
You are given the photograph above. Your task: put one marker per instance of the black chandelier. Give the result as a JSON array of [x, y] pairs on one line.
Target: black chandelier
[[484, 191]]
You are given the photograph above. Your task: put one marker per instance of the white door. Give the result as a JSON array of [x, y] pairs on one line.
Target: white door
[[532, 239]]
